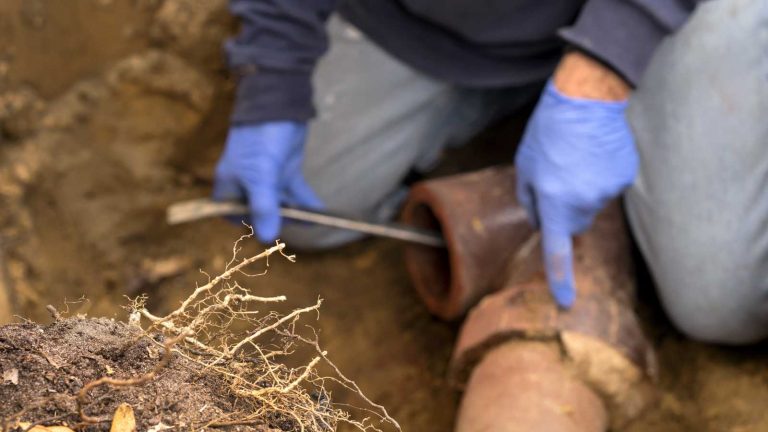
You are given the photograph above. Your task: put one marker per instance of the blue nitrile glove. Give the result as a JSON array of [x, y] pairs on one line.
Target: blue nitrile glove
[[262, 164], [576, 154]]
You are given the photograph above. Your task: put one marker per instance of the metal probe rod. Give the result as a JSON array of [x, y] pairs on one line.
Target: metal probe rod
[[188, 211]]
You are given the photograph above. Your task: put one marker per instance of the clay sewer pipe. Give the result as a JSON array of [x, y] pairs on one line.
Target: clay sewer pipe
[[483, 227], [524, 363]]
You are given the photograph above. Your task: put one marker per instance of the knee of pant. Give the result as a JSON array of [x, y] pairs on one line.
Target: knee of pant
[[713, 287], [723, 316]]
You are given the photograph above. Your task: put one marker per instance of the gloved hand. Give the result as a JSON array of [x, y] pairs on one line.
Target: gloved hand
[[576, 154], [262, 164]]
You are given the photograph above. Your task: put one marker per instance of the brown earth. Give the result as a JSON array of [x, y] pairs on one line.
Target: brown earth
[[112, 109], [47, 362]]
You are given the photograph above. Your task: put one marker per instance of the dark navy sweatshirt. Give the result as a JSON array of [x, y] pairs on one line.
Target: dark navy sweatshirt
[[471, 43]]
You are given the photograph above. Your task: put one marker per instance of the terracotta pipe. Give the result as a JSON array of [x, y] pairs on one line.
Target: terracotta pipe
[[599, 344], [522, 387], [483, 226], [518, 354]]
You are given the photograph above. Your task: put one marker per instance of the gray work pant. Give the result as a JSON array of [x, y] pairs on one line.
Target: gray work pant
[[699, 207], [378, 119]]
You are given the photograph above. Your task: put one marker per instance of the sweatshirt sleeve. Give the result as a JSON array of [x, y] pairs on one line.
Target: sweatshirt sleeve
[[625, 33], [274, 55]]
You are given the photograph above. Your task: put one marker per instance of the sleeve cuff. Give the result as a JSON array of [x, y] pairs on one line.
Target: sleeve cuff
[[617, 33], [269, 95]]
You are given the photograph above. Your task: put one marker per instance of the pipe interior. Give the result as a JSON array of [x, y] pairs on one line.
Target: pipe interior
[[433, 265]]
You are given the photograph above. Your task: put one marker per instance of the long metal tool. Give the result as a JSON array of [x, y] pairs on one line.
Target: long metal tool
[[188, 211]]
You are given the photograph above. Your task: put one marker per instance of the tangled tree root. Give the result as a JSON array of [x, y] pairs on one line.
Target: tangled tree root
[[219, 330]]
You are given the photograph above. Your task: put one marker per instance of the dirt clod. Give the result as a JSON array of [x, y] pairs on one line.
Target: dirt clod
[[85, 349]]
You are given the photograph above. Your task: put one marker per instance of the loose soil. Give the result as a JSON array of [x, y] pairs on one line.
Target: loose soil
[[93, 148], [48, 362]]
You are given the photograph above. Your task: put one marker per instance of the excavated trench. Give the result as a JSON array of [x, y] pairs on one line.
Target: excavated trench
[[112, 109]]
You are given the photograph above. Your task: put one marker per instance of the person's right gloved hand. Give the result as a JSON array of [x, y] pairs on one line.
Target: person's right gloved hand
[[576, 155], [261, 164]]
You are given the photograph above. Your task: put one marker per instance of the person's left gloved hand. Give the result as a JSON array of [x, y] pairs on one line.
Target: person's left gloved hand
[[576, 154]]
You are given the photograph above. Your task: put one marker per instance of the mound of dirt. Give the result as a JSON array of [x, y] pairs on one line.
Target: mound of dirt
[[44, 367]]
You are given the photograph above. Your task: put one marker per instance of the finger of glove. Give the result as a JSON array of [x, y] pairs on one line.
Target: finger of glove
[[523, 187], [558, 263], [301, 194], [227, 188], [527, 199], [298, 193], [558, 250], [264, 203]]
